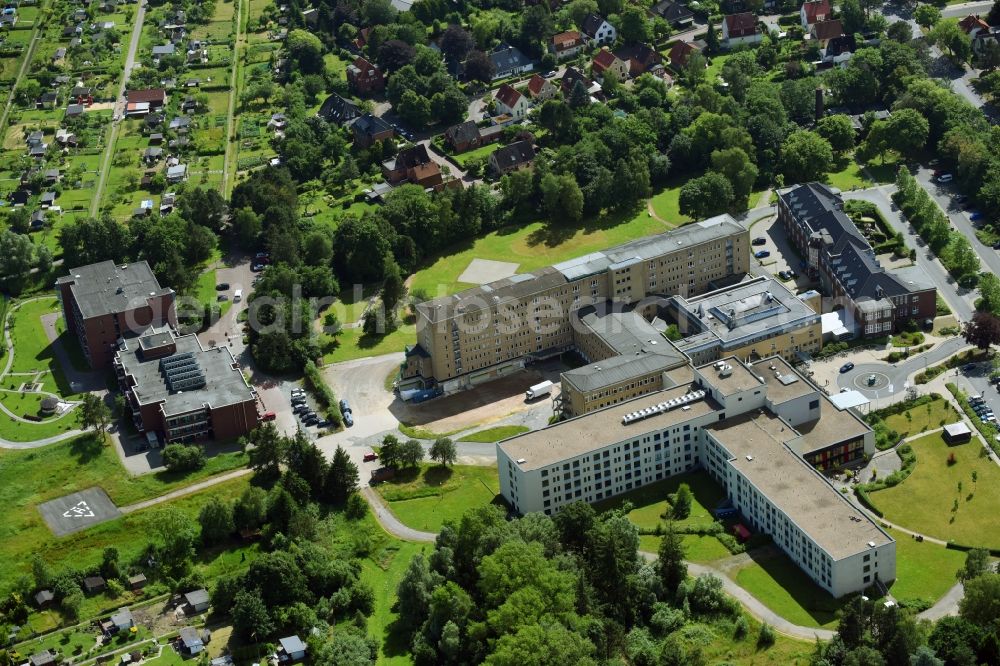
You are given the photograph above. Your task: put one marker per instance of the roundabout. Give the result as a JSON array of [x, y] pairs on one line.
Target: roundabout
[[871, 381]]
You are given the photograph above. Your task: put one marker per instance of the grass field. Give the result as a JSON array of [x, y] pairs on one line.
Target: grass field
[[924, 417], [30, 477], [697, 548], [848, 176], [32, 350], [650, 501], [425, 497], [495, 434], [352, 343], [384, 576], [667, 206], [932, 501], [533, 246], [924, 570], [784, 588]]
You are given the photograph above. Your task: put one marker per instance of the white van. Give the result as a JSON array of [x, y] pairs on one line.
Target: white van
[[237, 296]]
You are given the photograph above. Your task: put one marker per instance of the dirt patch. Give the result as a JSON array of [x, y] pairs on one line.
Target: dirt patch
[[101, 106]]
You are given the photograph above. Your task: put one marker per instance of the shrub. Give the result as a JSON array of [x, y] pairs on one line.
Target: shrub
[[322, 392], [183, 457], [766, 637], [741, 628]]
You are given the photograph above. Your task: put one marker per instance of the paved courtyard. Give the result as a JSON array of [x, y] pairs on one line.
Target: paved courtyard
[[481, 271], [76, 511]]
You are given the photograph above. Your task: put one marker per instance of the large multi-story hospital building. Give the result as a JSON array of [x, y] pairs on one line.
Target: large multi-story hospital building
[[761, 431]]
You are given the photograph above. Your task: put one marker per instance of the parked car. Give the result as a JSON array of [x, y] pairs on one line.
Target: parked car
[[222, 286], [298, 391], [257, 268], [370, 456], [761, 254], [348, 420], [300, 409], [268, 416], [847, 367], [298, 400], [760, 240], [223, 297], [961, 198], [323, 423], [945, 178], [345, 406], [975, 215], [311, 420], [785, 275]]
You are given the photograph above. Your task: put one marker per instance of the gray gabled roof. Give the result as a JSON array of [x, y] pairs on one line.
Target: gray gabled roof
[[506, 57]]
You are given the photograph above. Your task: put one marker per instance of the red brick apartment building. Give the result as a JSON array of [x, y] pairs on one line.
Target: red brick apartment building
[[104, 302], [183, 392]]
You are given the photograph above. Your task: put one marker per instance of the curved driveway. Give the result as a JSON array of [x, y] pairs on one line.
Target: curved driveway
[[898, 373]]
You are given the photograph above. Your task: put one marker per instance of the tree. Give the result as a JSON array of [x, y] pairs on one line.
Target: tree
[[176, 533], [907, 131], [414, 591], [41, 572], [706, 196], [250, 510], [633, 27], [806, 156], [983, 331], [16, 260], [670, 562], [551, 645], [346, 648], [853, 16], [306, 51], [443, 450], [392, 286], [927, 16], [711, 39], [838, 130], [977, 563], [736, 166], [411, 453], [900, 31], [95, 413], [961, 257], [391, 452], [981, 603], [562, 197], [947, 35], [479, 67], [394, 54], [216, 520], [43, 259], [681, 502], [266, 448], [250, 617], [342, 477], [456, 42]]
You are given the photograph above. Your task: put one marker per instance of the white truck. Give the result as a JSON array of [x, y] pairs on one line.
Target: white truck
[[538, 390]]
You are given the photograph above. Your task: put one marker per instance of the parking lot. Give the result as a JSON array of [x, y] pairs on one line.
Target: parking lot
[[975, 380], [781, 255]]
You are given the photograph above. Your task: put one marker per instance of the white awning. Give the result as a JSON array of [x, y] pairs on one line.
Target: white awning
[[848, 399]]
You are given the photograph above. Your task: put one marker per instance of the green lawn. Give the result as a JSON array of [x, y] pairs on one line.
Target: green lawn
[[715, 642], [848, 176], [667, 206], [352, 343], [929, 500], [784, 588], [383, 574], [30, 477], [495, 434], [650, 501], [32, 351], [481, 152], [924, 417], [924, 570], [697, 548], [424, 498], [533, 246]]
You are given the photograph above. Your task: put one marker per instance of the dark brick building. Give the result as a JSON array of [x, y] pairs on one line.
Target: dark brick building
[[104, 302]]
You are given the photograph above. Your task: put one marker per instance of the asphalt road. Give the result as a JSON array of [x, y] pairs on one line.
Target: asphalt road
[[958, 299], [891, 379]]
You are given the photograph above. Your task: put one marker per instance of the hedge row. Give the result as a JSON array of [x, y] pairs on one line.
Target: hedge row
[[323, 393]]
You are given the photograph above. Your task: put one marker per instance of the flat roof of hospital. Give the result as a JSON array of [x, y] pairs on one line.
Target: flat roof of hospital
[[757, 442]]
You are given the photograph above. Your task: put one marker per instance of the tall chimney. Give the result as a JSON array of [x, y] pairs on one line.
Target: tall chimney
[[819, 103]]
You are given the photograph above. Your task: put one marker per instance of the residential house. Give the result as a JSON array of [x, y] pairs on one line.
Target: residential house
[[180, 124], [156, 98], [8, 18], [979, 32], [814, 11], [740, 29], [74, 110], [197, 600], [606, 61], [120, 621], [338, 110], [82, 95], [540, 88], [47, 199], [836, 252], [674, 13], [47, 100], [571, 77], [463, 136], [369, 129], [412, 165], [176, 173], [291, 649], [44, 599], [361, 40], [59, 55], [596, 30], [137, 582], [509, 61], [19, 198], [567, 44], [510, 101], [152, 155], [92, 584], [679, 54], [518, 155], [839, 49], [190, 642], [365, 77], [51, 176], [824, 31], [37, 222], [156, 138], [45, 658], [641, 58], [162, 50]]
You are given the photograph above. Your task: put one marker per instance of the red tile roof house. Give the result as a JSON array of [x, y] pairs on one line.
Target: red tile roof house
[[641, 58], [813, 11], [413, 165], [679, 54], [606, 61], [740, 29], [824, 31], [972, 25], [365, 78], [511, 102], [463, 136], [567, 44], [540, 88], [155, 97]]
